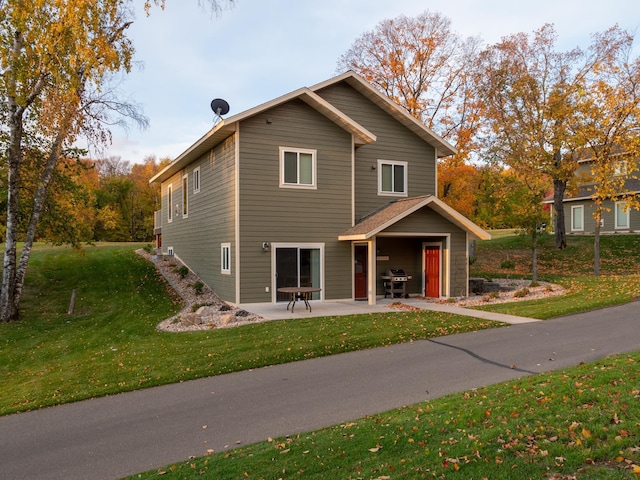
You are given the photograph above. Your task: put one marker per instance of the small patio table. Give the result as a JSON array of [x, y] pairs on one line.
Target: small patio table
[[299, 293]]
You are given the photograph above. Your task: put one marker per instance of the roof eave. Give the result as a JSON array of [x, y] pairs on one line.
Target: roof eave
[[443, 148]]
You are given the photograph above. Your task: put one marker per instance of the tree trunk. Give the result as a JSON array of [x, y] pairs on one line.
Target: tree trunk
[[534, 255], [596, 242], [36, 212], [559, 187], [8, 306]]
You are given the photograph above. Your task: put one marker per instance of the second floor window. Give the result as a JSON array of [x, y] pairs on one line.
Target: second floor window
[[392, 178], [185, 196], [196, 180], [170, 203], [297, 168]]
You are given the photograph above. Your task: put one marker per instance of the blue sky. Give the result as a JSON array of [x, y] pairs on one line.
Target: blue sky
[[261, 49]]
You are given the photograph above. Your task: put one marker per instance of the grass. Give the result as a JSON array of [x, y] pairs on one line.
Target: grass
[[572, 424], [572, 268], [580, 423], [110, 343]]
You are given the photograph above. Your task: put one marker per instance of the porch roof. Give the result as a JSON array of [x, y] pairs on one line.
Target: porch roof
[[398, 209]]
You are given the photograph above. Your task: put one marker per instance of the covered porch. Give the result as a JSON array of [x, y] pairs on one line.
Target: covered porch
[[422, 237]]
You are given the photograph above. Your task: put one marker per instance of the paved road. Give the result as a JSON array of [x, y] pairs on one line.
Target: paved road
[[116, 436]]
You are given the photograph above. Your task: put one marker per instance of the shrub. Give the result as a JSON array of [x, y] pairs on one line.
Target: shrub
[[491, 296], [198, 286], [523, 292], [183, 271], [147, 248], [508, 264], [534, 284]]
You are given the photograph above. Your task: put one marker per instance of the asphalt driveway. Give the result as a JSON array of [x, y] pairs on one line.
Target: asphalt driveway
[[112, 437]]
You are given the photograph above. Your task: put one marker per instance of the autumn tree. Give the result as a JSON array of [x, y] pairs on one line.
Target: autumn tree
[[458, 185], [421, 64], [530, 93], [56, 58], [610, 128]]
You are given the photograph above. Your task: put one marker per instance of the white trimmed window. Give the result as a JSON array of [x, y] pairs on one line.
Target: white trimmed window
[[392, 178], [225, 258], [196, 180], [577, 218], [185, 196], [170, 203], [622, 215], [297, 168]]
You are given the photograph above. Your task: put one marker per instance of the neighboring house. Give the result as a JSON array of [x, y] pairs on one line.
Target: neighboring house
[[616, 217], [327, 186]]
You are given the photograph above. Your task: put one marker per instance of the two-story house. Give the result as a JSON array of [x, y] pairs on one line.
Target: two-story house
[[329, 187], [579, 206]]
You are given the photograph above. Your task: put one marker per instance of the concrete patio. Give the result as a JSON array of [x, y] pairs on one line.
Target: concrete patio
[[278, 311]]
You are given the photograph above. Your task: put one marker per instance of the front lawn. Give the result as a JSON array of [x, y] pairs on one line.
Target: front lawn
[[110, 343], [576, 424]]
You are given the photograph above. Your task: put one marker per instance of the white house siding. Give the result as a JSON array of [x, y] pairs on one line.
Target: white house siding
[[269, 213]]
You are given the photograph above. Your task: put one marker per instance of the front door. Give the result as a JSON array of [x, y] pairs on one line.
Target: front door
[[360, 271], [432, 271]]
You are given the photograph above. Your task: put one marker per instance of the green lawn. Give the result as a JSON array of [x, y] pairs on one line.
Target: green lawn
[[568, 423], [110, 343], [580, 423]]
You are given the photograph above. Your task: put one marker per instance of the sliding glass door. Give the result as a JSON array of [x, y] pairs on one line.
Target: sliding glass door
[[298, 266]]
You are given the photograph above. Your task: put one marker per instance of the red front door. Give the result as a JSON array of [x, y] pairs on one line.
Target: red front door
[[432, 271], [360, 271]]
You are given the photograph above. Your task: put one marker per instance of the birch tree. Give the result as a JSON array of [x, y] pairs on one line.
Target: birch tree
[[56, 59]]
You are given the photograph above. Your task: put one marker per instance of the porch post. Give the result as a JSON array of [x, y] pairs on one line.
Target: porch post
[[371, 268]]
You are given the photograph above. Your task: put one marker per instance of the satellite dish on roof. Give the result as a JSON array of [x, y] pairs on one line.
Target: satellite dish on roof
[[220, 107]]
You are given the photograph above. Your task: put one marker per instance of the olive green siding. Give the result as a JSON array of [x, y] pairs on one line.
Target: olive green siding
[[394, 142], [274, 214], [241, 198], [425, 225], [608, 217], [197, 239]]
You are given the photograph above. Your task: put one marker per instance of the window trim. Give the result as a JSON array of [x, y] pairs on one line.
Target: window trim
[[314, 164], [225, 258], [626, 215], [196, 180], [405, 166], [170, 203], [185, 195], [573, 227]]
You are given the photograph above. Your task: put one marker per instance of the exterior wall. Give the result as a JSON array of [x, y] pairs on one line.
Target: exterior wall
[[270, 213], [425, 222], [197, 239], [394, 142], [607, 216]]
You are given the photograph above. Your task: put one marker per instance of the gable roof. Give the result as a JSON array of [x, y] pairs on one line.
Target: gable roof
[[443, 148], [228, 126], [585, 192], [362, 136], [395, 211]]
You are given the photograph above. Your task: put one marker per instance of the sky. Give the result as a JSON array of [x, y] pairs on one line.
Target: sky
[[261, 49]]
